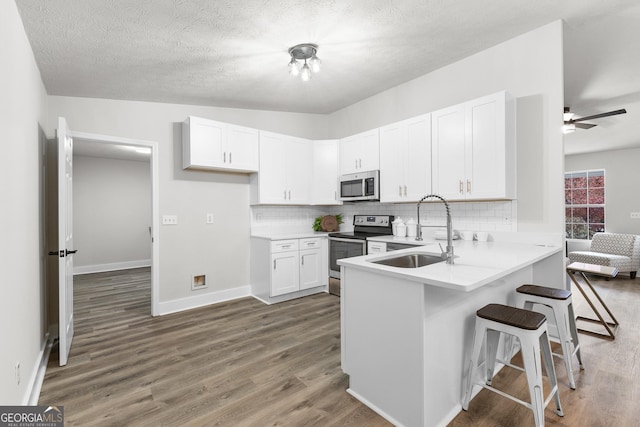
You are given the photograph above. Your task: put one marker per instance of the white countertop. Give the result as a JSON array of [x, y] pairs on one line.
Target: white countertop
[[285, 235], [476, 263]]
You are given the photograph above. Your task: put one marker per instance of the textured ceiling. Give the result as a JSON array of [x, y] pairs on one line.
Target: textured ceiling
[[234, 53]]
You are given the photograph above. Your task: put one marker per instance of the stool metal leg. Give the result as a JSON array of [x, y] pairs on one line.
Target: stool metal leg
[[565, 342], [551, 372], [530, 352], [493, 338]]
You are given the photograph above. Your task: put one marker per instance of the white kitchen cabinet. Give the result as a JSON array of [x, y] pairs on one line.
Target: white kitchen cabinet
[[405, 160], [208, 144], [288, 268], [325, 173], [360, 152], [474, 149], [284, 177]]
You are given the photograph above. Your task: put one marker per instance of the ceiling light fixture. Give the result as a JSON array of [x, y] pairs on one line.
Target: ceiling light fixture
[[301, 53]]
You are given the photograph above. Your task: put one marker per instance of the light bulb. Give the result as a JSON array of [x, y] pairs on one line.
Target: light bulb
[[568, 128], [315, 63], [294, 67], [305, 73]]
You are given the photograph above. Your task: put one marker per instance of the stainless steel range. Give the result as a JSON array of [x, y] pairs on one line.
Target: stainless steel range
[[350, 244]]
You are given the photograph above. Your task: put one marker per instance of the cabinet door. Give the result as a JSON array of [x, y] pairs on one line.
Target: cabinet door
[[284, 273], [242, 148], [310, 268], [298, 170], [393, 152], [360, 152], [325, 173], [349, 155], [485, 138], [417, 165], [272, 178], [203, 143], [370, 146], [448, 145]]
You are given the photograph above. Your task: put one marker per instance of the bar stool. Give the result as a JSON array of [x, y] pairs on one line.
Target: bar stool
[[559, 300], [530, 328]]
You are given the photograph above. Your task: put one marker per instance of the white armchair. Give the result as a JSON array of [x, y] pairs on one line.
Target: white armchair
[[614, 250]]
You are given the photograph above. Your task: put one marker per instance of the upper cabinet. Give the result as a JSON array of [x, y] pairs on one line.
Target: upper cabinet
[[360, 152], [324, 187], [405, 160], [474, 149], [285, 171], [207, 144]]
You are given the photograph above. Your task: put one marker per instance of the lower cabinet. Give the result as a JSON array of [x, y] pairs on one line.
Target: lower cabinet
[[286, 269]]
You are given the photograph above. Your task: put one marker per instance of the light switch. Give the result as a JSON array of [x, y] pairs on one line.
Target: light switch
[[635, 215], [169, 219]]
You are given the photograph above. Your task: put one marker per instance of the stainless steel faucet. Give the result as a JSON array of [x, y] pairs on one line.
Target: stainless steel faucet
[[448, 255]]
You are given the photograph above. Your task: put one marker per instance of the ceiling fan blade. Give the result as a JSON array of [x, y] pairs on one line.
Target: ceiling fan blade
[[598, 116], [584, 125]]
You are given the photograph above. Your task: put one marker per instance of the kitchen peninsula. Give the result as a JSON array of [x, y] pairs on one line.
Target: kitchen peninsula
[[407, 332]]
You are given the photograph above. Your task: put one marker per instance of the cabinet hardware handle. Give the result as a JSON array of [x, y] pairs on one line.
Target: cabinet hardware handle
[[460, 187], [468, 186], [405, 190], [285, 194], [285, 246], [224, 157], [356, 165], [302, 259], [399, 190], [289, 194], [230, 161], [274, 264], [360, 163], [335, 195]]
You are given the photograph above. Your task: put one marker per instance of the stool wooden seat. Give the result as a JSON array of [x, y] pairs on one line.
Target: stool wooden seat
[[560, 303], [530, 328]]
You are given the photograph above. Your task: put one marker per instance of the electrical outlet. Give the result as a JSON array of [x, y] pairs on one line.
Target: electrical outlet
[[169, 219], [635, 215], [18, 373], [209, 218]]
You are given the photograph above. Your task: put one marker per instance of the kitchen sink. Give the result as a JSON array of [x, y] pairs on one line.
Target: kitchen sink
[[410, 260]]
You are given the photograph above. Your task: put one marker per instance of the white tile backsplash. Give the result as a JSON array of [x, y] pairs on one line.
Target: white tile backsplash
[[476, 216]]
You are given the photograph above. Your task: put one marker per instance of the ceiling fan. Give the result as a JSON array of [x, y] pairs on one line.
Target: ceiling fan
[[571, 124]]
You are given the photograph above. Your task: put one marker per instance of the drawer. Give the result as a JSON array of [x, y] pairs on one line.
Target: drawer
[[284, 245], [310, 243]]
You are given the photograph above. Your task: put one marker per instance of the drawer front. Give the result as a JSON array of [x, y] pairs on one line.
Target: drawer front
[[310, 243], [284, 245]]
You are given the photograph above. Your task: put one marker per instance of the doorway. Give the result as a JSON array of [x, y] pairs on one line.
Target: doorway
[[124, 148]]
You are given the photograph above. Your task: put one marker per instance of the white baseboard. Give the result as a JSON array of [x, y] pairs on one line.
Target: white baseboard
[[114, 266], [37, 376], [182, 304]]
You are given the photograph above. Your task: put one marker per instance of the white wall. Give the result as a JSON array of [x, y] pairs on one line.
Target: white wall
[[22, 115], [530, 68], [219, 250], [111, 213], [622, 179]]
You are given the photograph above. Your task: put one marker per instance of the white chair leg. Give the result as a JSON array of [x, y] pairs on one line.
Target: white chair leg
[[551, 372], [493, 338], [565, 341], [530, 356], [574, 333], [478, 339]]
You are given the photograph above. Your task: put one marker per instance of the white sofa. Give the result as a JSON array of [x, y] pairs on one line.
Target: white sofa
[[614, 250]]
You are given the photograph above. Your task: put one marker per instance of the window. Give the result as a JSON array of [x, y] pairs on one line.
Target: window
[[584, 203]]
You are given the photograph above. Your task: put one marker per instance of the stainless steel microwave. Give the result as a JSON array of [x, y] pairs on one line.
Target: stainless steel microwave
[[360, 186]]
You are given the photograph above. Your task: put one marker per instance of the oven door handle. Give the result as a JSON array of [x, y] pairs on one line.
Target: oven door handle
[[339, 239]]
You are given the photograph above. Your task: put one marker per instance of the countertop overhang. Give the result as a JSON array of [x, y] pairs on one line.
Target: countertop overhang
[[475, 264]]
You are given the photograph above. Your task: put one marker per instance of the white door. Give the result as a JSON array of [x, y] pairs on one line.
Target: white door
[[285, 273], [65, 240]]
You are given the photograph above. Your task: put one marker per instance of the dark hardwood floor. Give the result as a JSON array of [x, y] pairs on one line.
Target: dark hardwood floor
[[243, 363]]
